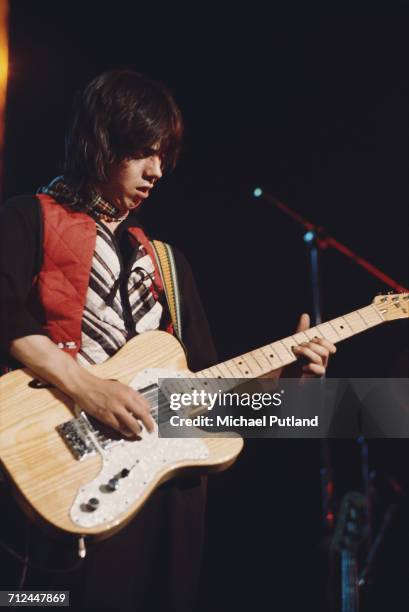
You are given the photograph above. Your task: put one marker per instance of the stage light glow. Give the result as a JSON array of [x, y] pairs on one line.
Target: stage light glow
[[257, 192], [309, 236], [4, 51], [4, 63]]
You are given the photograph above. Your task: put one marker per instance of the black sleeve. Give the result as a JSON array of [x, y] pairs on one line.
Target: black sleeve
[[20, 252], [196, 336]]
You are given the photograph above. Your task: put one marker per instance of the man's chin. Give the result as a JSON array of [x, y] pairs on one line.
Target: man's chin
[[134, 204]]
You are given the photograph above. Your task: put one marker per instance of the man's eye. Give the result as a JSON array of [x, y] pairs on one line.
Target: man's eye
[[145, 153]]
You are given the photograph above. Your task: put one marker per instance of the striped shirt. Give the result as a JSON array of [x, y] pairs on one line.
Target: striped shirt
[[119, 301]]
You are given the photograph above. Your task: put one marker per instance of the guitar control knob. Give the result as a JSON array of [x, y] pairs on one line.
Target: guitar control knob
[[93, 503], [113, 484]]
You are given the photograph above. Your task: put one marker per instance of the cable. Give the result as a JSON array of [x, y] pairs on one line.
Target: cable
[[28, 564], [26, 558]]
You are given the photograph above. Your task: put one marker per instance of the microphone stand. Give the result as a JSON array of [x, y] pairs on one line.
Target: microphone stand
[[324, 240], [327, 483], [326, 472], [317, 239]]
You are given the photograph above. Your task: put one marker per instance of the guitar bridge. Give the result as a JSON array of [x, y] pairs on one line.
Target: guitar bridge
[[78, 435]]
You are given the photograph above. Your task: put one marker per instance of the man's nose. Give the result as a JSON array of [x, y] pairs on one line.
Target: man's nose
[[154, 167]]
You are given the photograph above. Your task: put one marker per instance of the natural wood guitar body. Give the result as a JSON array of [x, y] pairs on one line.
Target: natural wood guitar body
[[44, 472]]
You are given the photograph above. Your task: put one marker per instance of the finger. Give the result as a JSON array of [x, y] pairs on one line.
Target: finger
[[128, 423], [331, 347], [109, 418], [141, 410], [303, 323], [141, 400], [314, 368], [317, 348], [304, 351]]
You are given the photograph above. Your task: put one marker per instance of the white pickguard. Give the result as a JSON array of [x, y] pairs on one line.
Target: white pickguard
[[144, 458]]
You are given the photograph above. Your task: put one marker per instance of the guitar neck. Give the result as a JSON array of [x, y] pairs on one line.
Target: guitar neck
[[278, 354]]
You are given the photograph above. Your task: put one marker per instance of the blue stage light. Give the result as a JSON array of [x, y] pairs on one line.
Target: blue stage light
[[257, 192], [309, 236]]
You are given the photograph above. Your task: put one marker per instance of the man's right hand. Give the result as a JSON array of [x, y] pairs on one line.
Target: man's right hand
[[109, 401], [114, 403]]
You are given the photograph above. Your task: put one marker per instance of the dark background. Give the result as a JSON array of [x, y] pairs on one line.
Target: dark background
[[309, 101]]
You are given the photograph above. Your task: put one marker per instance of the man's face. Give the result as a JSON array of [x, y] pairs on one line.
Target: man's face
[[130, 181]]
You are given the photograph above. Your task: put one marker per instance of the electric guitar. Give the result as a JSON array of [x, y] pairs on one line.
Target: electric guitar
[[73, 477]]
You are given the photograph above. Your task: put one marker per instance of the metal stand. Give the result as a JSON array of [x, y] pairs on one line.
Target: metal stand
[[327, 484], [366, 485], [317, 239]]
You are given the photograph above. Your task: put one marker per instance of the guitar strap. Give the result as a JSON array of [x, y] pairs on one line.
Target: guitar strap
[[167, 268]]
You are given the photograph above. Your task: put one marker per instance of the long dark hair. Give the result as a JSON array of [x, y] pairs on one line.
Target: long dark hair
[[120, 114]]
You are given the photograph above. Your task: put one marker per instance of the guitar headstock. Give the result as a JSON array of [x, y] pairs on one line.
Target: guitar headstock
[[393, 306]]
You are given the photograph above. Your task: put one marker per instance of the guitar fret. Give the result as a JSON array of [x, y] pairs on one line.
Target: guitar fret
[[282, 352], [175, 385], [272, 356], [235, 371], [300, 337], [372, 314], [263, 363], [201, 385], [217, 371], [362, 318], [312, 333], [225, 370], [253, 364], [211, 384], [243, 366], [328, 332], [356, 322], [344, 330], [289, 343], [214, 385], [191, 385]]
